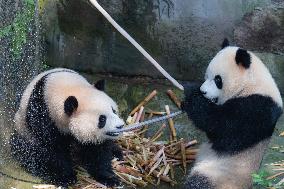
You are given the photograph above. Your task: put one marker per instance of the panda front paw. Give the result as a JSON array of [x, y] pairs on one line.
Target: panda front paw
[[109, 179], [192, 95], [117, 152], [191, 89]]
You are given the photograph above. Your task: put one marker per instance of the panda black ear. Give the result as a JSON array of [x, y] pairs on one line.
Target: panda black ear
[[70, 105], [243, 58], [100, 85], [225, 43]]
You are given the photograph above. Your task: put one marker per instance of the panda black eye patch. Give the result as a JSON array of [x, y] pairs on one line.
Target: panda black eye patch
[[113, 110], [218, 81], [102, 121]]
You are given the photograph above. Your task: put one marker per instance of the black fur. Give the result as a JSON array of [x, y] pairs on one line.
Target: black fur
[[197, 181], [243, 58], [97, 161], [70, 105], [46, 152], [236, 125], [100, 85], [225, 43]]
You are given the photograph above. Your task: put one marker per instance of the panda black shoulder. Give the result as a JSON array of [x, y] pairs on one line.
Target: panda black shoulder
[[246, 121]]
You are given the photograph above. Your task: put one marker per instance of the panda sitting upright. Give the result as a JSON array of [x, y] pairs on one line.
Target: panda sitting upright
[[58, 109], [237, 107]]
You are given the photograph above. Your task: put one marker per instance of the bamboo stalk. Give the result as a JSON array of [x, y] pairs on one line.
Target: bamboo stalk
[[179, 162], [156, 113], [171, 124], [191, 143], [179, 157], [158, 133], [174, 98], [183, 155], [145, 101], [172, 172], [191, 151], [146, 126], [273, 176], [163, 177], [167, 169], [134, 118], [139, 114], [156, 157], [155, 166]]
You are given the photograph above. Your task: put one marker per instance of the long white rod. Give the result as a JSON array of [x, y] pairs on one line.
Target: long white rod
[[133, 42], [148, 122]]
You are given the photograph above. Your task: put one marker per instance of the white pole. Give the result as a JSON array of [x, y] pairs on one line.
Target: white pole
[[133, 42]]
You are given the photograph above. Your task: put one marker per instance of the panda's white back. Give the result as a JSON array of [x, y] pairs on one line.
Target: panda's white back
[[19, 118]]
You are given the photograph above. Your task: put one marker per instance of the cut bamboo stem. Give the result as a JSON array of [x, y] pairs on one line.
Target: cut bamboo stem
[[158, 132], [145, 101], [139, 114], [171, 124], [191, 143], [174, 98], [134, 118], [183, 155]]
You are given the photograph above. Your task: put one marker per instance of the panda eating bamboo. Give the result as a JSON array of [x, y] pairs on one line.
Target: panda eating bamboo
[[60, 108]]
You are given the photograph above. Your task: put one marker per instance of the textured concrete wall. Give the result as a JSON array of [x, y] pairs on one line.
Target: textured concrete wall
[[181, 35]]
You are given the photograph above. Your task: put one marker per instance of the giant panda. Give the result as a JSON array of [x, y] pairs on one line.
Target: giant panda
[[59, 113], [237, 107]]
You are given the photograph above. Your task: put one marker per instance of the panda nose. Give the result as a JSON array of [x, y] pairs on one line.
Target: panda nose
[[119, 127], [203, 92]]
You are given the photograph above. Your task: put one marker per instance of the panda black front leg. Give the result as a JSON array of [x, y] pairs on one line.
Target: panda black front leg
[[97, 160], [199, 109], [52, 165], [198, 181], [60, 170], [116, 151]]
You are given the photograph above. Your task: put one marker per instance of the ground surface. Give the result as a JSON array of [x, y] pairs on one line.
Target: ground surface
[[129, 95]]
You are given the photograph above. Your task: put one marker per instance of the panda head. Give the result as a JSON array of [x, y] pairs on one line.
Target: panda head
[[91, 114], [236, 72]]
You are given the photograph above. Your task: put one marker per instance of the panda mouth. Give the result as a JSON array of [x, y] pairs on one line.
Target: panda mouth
[[112, 134], [214, 100]]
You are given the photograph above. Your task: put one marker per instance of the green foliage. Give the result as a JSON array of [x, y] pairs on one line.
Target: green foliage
[[5, 31], [260, 179], [18, 29]]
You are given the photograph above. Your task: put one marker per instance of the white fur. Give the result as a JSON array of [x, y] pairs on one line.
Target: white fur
[[229, 172], [234, 171], [238, 81], [210, 89], [20, 117], [83, 123]]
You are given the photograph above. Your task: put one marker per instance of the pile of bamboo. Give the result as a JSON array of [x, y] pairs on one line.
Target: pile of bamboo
[[148, 160]]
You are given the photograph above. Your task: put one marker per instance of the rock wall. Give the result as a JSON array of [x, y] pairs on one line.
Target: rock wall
[[20, 60], [181, 35]]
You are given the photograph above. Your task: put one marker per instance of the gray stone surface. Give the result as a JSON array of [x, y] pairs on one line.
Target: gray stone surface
[[181, 35], [262, 30]]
